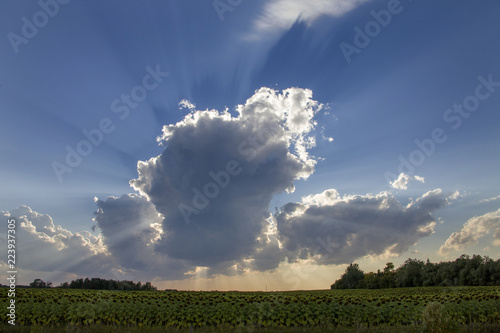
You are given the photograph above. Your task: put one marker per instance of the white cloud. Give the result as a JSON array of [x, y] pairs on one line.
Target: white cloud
[[490, 199], [279, 15], [46, 247], [403, 180], [185, 104], [335, 229], [472, 231]]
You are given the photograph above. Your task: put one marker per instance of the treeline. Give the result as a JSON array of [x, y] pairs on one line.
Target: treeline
[[464, 271], [103, 284], [95, 283]]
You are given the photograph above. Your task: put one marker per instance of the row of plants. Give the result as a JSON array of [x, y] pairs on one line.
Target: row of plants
[[184, 309]]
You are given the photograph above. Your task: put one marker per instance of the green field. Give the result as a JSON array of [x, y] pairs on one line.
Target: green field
[[325, 310]]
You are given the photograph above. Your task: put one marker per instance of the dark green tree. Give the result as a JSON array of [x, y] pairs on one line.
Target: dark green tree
[[39, 283], [410, 274], [350, 279], [464, 271]]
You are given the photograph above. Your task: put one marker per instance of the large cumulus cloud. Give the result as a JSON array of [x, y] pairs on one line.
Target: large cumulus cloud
[[215, 179]]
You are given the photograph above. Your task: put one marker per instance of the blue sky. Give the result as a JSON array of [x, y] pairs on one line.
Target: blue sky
[[79, 68]]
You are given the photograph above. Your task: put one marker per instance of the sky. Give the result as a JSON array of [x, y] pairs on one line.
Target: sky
[[247, 145]]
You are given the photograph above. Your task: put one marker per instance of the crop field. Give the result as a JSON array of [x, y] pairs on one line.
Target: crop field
[[247, 311]]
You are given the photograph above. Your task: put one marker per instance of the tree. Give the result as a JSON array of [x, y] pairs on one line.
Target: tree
[[350, 279], [388, 278], [371, 281], [410, 274], [389, 268], [102, 284], [464, 271], [76, 284], [64, 285], [148, 286], [39, 283], [429, 274]]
